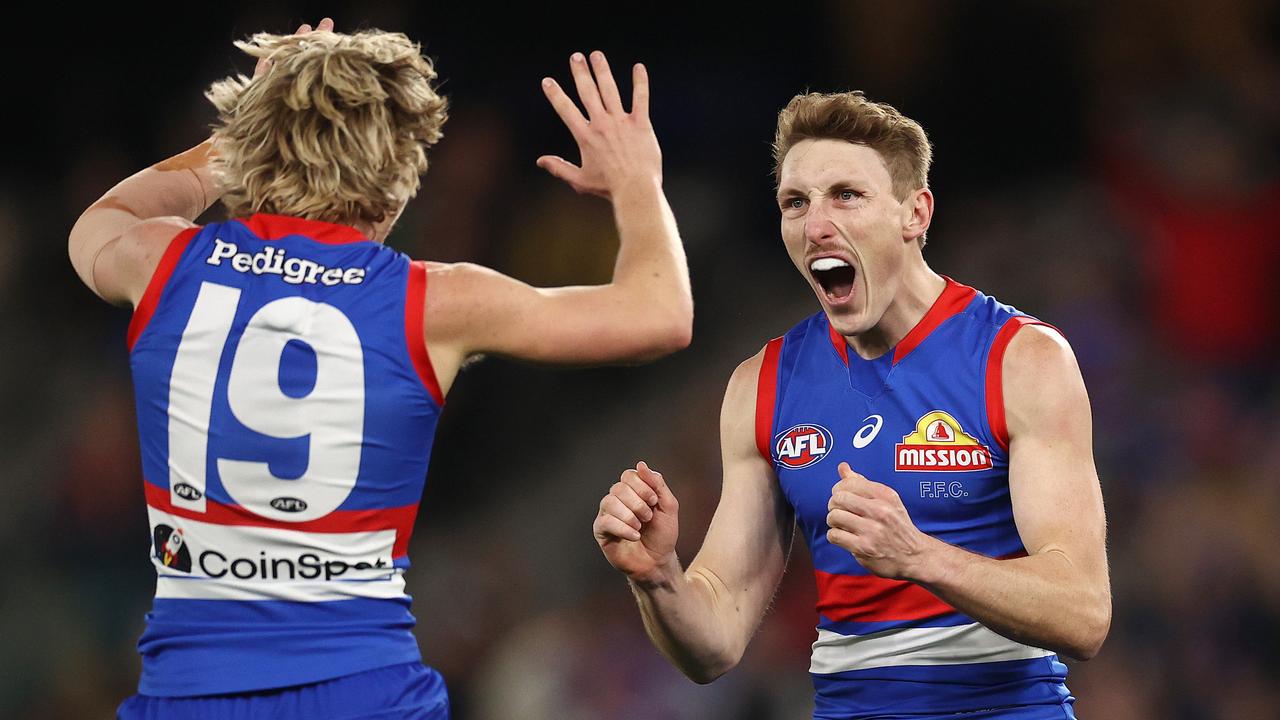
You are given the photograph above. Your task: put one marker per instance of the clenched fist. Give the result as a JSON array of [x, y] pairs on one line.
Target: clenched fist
[[868, 519], [636, 527]]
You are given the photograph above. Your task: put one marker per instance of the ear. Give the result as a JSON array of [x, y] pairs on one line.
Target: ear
[[917, 212]]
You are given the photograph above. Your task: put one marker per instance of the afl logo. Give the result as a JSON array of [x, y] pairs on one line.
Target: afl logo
[[288, 504], [802, 446], [187, 492]]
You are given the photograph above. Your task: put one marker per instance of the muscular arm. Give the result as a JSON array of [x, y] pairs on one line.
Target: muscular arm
[[116, 243], [702, 618], [1058, 597], [646, 311]]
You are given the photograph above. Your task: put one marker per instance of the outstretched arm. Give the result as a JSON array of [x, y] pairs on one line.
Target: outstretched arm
[[117, 242], [646, 311], [702, 617], [1058, 597]]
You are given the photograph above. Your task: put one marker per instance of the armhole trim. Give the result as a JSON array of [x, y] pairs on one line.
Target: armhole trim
[[155, 286], [767, 397], [415, 301], [995, 375]]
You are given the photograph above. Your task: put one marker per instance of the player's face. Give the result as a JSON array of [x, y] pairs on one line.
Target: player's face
[[844, 229]]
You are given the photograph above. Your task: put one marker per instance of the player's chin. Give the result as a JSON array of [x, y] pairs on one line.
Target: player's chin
[[846, 315]]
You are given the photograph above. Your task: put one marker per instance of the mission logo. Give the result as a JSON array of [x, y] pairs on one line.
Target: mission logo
[[939, 444], [802, 446]]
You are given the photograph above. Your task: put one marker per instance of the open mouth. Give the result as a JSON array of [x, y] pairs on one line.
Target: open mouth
[[835, 276]]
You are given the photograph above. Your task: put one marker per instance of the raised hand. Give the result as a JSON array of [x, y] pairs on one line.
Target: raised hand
[[637, 525], [325, 25], [868, 519], [617, 146]]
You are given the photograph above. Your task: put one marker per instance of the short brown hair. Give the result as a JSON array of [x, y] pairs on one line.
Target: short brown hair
[[851, 117], [335, 130]]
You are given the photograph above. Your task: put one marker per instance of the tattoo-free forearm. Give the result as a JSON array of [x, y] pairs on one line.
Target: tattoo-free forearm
[[651, 266], [1042, 600], [680, 614]]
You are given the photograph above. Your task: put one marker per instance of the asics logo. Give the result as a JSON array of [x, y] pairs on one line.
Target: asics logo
[[868, 431]]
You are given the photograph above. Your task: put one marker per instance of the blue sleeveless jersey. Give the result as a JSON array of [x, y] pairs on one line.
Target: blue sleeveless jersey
[[286, 408], [927, 419]]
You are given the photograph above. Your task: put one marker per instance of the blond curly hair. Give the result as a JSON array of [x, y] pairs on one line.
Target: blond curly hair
[[335, 130]]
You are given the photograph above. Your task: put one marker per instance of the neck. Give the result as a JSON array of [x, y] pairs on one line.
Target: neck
[[920, 288], [366, 230]]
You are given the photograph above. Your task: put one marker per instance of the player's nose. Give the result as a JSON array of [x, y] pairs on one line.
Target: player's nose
[[818, 227]]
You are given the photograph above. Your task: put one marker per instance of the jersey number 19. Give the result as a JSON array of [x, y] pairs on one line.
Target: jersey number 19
[[332, 413]]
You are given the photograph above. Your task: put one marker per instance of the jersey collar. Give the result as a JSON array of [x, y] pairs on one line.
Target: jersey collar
[[955, 298], [274, 227]]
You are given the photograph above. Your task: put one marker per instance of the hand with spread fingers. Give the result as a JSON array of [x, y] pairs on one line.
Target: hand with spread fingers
[[868, 519], [617, 147], [325, 25], [637, 525]]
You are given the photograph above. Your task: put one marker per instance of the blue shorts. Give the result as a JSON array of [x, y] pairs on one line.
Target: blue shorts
[[412, 691]]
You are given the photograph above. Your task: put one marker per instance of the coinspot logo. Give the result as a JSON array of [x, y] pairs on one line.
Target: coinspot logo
[[170, 547]]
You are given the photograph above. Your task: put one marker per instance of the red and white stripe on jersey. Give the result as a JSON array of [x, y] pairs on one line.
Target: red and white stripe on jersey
[[398, 520], [874, 599], [955, 645]]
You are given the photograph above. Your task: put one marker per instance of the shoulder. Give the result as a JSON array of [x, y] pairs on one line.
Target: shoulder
[[738, 413], [745, 378], [1037, 352], [458, 273], [464, 287], [136, 254], [449, 284], [1036, 342], [746, 418], [1043, 386], [459, 294]]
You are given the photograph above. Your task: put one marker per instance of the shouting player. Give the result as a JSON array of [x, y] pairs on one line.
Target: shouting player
[[933, 444], [290, 369]]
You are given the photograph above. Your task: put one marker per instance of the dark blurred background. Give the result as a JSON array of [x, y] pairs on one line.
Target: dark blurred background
[[1110, 167]]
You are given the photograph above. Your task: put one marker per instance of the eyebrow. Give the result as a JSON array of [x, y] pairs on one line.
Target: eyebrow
[[787, 190]]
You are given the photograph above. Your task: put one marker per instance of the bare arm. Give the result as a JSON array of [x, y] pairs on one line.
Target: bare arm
[[702, 618], [1058, 597], [646, 311], [117, 242]]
